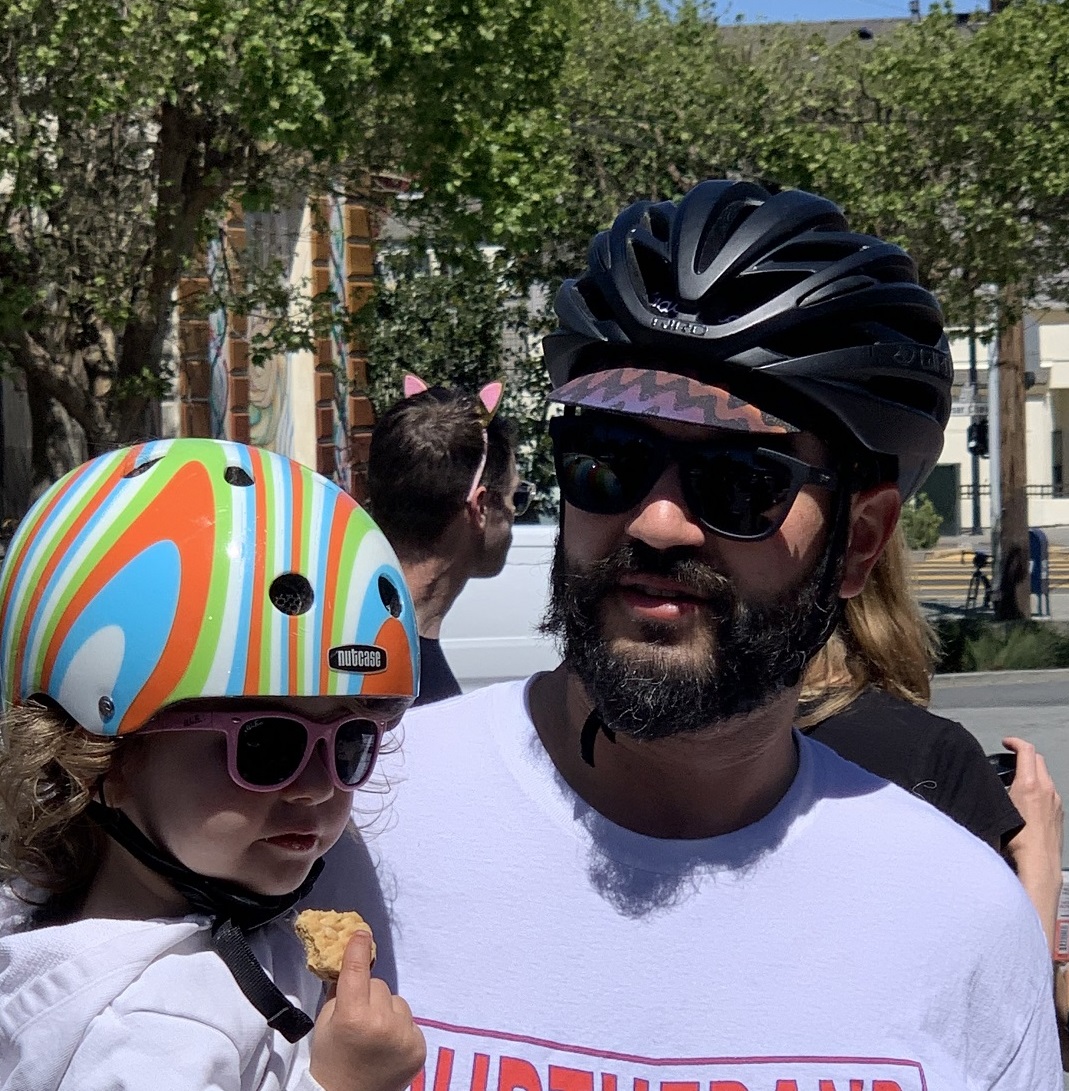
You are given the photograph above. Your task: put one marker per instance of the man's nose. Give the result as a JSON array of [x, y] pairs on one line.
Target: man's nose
[[662, 518]]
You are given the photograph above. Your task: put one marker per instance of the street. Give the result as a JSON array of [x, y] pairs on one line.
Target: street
[[1033, 705]]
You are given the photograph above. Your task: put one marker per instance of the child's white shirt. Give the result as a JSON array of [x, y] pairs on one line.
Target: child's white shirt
[[143, 1005]]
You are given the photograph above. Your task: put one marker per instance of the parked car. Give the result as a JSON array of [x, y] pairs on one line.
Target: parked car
[[491, 633]]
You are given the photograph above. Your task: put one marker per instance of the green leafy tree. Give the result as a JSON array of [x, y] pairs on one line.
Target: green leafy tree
[[452, 316], [126, 128], [920, 522], [653, 98], [948, 138]]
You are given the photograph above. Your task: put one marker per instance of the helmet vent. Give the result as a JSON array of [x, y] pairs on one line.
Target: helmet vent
[[719, 230], [655, 275], [595, 301], [813, 251], [391, 597], [291, 594], [659, 224], [137, 471], [236, 475], [895, 389]]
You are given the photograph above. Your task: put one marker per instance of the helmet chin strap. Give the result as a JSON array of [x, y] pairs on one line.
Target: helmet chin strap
[[234, 910]]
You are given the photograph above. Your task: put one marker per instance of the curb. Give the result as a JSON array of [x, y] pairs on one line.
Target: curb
[[980, 678]]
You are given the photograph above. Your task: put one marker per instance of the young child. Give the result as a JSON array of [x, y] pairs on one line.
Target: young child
[[201, 645]]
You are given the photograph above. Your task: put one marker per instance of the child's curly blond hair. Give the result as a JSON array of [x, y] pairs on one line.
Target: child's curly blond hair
[[49, 770]]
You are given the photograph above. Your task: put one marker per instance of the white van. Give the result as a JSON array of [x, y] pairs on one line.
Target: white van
[[491, 632]]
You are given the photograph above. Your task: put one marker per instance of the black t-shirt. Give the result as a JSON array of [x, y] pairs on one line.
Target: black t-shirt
[[436, 680], [934, 758]]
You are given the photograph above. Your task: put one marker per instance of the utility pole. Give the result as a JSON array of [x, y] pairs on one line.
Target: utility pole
[[994, 469], [1013, 588], [974, 386], [1013, 599]]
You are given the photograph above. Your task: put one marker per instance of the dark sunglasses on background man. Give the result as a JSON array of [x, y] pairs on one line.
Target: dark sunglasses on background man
[[522, 497], [268, 751], [606, 465]]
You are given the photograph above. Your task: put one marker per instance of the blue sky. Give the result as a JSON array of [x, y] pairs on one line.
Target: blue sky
[[783, 10]]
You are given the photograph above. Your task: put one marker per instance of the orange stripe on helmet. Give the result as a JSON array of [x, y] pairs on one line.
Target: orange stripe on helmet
[[397, 679], [59, 550], [339, 524], [256, 619], [189, 490]]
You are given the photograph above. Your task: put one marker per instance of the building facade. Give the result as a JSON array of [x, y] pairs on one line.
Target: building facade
[[1046, 423], [308, 404]]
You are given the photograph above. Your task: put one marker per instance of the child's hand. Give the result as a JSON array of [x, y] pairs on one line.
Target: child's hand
[[364, 1038]]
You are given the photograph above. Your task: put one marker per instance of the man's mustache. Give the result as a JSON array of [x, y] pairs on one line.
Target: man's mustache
[[694, 576]]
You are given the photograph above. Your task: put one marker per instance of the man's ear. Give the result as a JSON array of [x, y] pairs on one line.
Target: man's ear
[[476, 507], [873, 518]]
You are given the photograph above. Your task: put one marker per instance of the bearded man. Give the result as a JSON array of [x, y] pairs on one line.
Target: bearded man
[[633, 872]]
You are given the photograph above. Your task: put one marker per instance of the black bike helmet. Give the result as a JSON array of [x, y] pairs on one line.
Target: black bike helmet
[[770, 297]]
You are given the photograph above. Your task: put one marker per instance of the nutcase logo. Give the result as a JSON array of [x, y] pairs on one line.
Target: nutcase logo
[[357, 658]]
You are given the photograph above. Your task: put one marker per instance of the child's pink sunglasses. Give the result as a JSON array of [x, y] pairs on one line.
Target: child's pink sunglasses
[[268, 750]]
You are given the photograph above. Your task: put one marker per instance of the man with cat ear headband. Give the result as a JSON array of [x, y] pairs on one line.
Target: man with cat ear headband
[[443, 485]]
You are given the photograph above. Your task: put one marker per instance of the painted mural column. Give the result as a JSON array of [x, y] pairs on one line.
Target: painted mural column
[[236, 345], [310, 406], [213, 366], [343, 263], [360, 267]]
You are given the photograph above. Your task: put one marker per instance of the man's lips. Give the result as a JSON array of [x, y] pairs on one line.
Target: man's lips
[[659, 588], [657, 598]]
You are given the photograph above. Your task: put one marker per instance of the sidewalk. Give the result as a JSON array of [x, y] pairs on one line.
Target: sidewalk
[[1059, 608], [941, 573], [1056, 536], [967, 544]]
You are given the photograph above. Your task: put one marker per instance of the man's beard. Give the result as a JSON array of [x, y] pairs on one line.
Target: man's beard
[[755, 651]]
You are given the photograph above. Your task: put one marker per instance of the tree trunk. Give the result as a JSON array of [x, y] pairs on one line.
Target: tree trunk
[[57, 442], [1014, 592], [185, 162]]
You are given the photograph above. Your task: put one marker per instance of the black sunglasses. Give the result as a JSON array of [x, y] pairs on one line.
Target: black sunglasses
[[606, 466], [522, 497]]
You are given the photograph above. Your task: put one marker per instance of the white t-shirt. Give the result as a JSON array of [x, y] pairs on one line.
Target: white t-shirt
[[107, 1005], [854, 939]]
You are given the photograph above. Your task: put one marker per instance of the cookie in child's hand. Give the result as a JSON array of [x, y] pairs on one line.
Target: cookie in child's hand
[[325, 934]]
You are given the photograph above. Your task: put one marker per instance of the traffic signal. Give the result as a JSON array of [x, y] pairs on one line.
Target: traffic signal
[[976, 437]]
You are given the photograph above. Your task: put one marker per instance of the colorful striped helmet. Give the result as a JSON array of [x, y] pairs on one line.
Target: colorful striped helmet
[[197, 568]]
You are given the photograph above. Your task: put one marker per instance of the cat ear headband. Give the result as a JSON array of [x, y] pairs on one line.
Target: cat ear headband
[[488, 399]]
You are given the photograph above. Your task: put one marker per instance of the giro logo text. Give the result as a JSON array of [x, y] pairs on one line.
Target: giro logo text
[[674, 325]]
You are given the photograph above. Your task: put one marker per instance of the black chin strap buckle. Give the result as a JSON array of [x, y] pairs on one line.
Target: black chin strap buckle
[[589, 735], [264, 995]]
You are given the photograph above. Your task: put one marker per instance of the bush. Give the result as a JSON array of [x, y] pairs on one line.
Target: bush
[[920, 522], [974, 644]]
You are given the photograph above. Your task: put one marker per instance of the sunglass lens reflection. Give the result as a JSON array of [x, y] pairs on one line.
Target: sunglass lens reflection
[[354, 751], [521, 498], [269, 749], [606, 479], [739, 492]]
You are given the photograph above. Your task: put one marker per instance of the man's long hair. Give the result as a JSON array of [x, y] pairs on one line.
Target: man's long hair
[[883, 640]]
